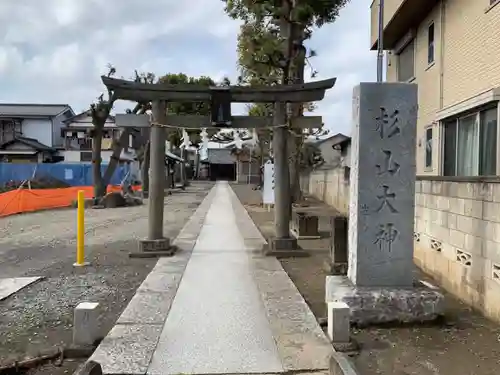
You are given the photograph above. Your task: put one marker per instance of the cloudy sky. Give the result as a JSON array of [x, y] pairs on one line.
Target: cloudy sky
[[54, 51]]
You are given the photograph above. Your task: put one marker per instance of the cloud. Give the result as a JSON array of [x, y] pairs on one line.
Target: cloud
[[344, 52], [54, 51]]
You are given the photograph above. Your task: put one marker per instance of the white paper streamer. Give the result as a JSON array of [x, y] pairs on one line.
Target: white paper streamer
[[255, 138], [204, 138], [237, 140], [186, 142]]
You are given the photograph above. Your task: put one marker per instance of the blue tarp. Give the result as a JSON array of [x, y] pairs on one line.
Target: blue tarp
[[74, 174]]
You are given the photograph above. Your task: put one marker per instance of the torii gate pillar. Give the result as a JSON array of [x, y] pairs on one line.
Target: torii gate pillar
[[283, 242], [156, 243]]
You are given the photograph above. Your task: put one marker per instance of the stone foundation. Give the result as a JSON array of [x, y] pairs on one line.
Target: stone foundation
[[380, 305], [154, 248], [283, 248], [279, 244]]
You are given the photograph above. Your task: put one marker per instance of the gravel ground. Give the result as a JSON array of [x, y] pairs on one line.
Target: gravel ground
[[39, 317], [468, 344]]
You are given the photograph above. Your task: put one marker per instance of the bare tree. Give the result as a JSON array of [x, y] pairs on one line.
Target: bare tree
[[100, 112]]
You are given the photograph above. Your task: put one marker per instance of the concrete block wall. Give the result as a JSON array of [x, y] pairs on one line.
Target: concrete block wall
[[457, 239], [457, 231], [330, 186]]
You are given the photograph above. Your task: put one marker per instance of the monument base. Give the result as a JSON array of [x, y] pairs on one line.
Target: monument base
[[154, 249], [382, 305], [283, 248], [351, 347]]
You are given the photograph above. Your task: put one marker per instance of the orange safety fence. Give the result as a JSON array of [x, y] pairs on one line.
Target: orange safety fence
[[30, 200]]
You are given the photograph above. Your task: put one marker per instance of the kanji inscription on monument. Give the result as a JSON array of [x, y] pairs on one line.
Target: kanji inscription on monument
[[381, 214], [386, 235], [387, 125], [386, 199], [389, 165]]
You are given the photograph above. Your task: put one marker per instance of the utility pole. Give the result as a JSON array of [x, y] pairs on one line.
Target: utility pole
[[380, 43]]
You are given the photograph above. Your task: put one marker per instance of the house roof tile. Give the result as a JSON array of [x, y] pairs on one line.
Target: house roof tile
[[32, 110]]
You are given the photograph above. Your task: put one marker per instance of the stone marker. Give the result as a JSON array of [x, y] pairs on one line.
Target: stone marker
[[380, 280], [337, 263], [305, 226], [339, 327], [86, 324], [382, 190]]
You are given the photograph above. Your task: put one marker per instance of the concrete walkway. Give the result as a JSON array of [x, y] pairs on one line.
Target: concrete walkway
[[220, 308], [217, 323]]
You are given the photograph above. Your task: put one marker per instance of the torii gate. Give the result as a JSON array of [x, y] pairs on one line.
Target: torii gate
[[220, 99]]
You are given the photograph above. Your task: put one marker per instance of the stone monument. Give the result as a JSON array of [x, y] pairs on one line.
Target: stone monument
[[380, 285], [336, 264]]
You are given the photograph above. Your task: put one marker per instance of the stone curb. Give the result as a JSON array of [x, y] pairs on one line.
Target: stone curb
[[341, 364], [249, 231], [301, 343], [129, 346]]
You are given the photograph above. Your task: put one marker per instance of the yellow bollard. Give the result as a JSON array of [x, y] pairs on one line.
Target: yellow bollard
[[80, 230]]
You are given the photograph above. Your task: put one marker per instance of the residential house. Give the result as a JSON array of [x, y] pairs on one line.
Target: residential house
[[78, 139], [450, 49], [329, 153], [343, 147], [331, 184], [32, 132]]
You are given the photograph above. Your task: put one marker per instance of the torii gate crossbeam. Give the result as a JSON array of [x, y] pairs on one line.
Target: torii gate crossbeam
[[297, 93], [220, 99]]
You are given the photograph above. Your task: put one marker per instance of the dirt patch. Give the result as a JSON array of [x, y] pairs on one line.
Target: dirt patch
[[468, 344], [39, 318]]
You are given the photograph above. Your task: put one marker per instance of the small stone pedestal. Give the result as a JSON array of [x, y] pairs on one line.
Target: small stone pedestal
[[381, 305], [339, 327], [154, 249], [305, 226], [283, 248], [86, 324], [337, 263]]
